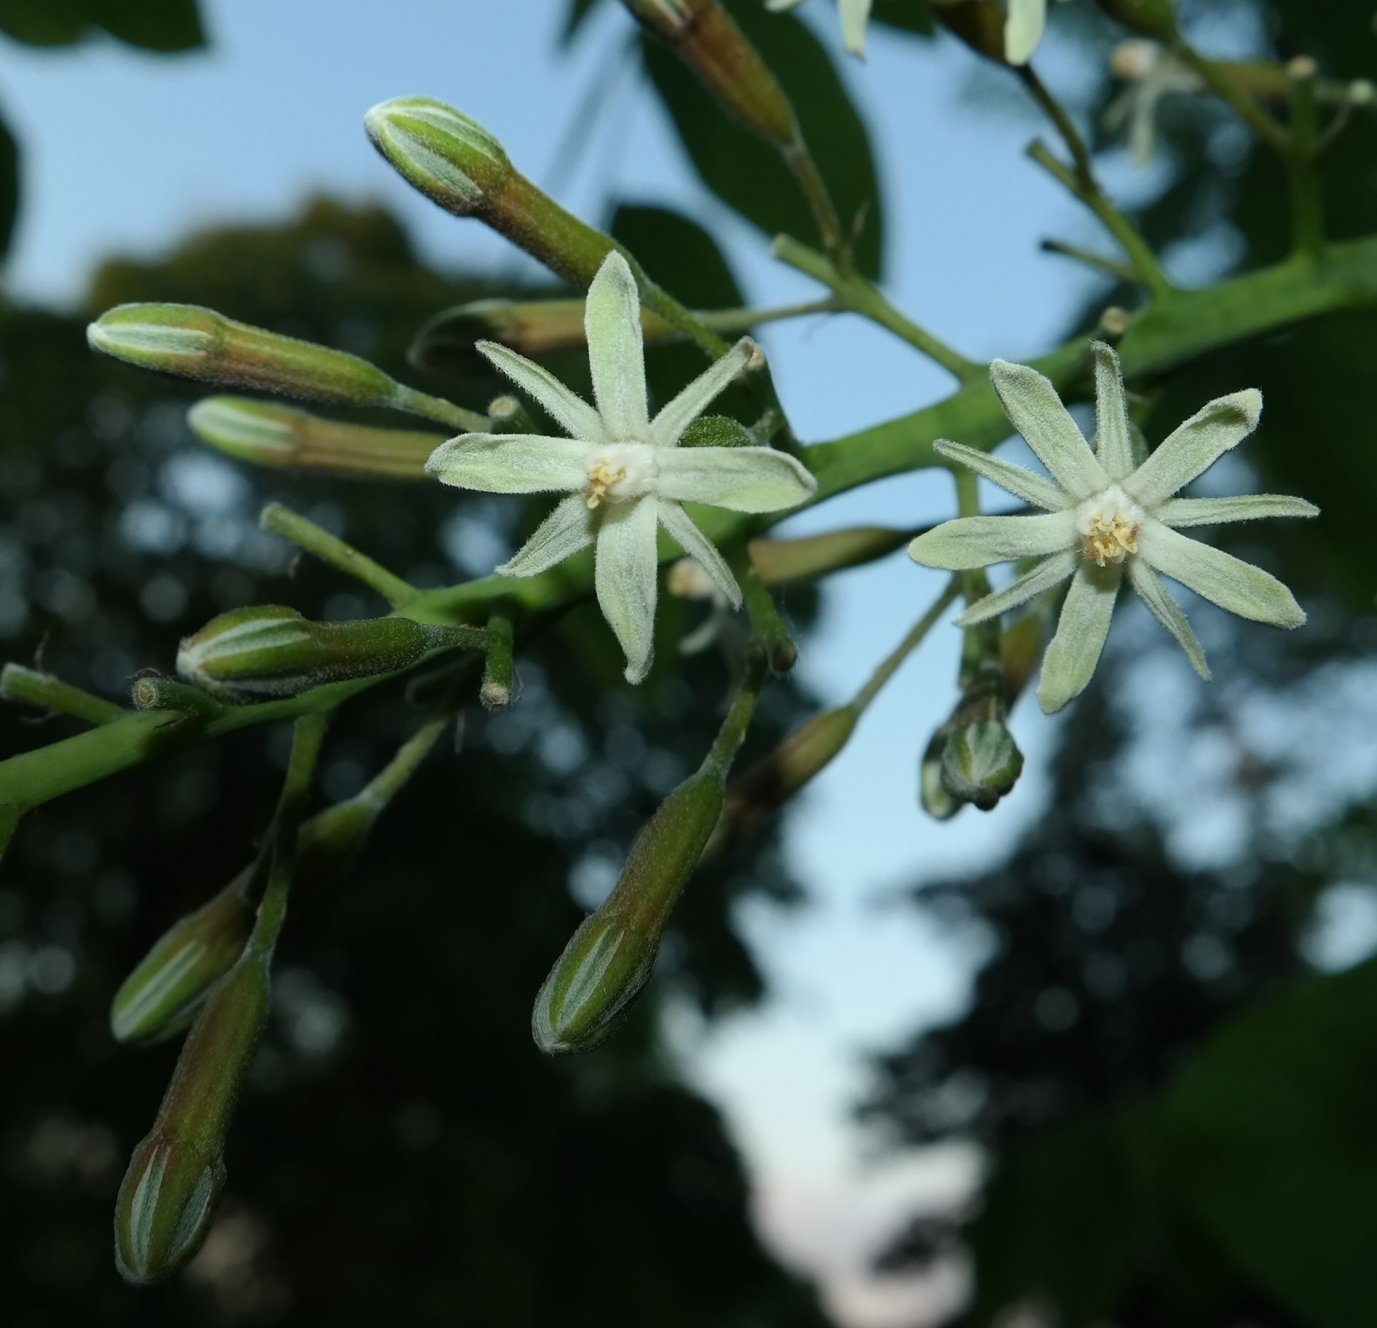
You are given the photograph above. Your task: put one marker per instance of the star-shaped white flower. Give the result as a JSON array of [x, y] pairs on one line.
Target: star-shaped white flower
[[625, 474], [1103, 517], [854, 15]]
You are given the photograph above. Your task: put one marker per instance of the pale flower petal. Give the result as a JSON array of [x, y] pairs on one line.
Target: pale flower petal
[[566, 531], [612, 322], [1044, 576], [511, 463], [626, 573], [1035, 410], [1178, 512], [1195, 446], [1219, 577], [1081, 630], [1167, 612], [977, 541], [1013, 479], [743, 479], [569, 410], [1113, 442], [701, 549], [854, 14], [1023, 29], [668, 426]]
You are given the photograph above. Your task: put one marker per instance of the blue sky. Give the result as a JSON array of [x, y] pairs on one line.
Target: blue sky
[[127, 152]]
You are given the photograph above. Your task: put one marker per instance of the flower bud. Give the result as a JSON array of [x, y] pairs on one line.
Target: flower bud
[[782, 561], [200, 343], [280, 437], [168, 1195], [269, 650], [716, 431], [981, 761], [979, 23], [162, 995], [932, 792], [1152, 18], [609, 957], [451, 159]]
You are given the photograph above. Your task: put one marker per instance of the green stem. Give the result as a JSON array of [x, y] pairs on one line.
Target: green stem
[[411, 401], [1221, 80], [860, 296], [738, 720], [805, 170], [1307, 202], [331, 549], [389, 781], [914, 638], [499, 668], [1111, 267], [31, 687], [733, 321], [767, 627]]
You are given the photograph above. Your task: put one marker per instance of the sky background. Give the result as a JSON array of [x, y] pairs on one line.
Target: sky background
[[126, 153]]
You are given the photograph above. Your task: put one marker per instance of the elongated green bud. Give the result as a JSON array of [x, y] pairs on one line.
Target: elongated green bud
[[1152, 18], [269, 650], [162, 995], [979, 23], [781, 561], [707, 39], [175, 1176], [283, 438], [199, 343]]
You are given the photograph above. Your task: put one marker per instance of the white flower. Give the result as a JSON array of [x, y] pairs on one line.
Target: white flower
[[854, 14], [1023, 29], [1102, 516], [624, 472], [1151, 72]]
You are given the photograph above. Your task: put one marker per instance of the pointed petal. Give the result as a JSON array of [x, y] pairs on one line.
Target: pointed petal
[[1167, 612], [1013, 479], [616, 356], [1023, 29], [1081, 630], [1035, 410], [701, 549], [978, 541], [1194, 447], [744, 479], [1180, 512], [1220, 577], [854, 14], [1113, 443], [566, 531], [569, 410], [1042, 577], [668, 426], [625, 577], [511, 463]]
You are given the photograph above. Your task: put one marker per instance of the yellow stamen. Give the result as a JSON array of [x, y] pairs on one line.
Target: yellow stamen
[[601, 480], [1109, 540]]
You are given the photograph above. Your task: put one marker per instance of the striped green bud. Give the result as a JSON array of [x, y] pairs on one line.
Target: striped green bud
[[780, 561], [981, 761], [168, 1196], [279, 437], [451, 159], [269, 650], [199, 343]]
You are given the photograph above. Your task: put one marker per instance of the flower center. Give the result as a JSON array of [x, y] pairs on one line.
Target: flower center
[[620, 472], [1109, 524]]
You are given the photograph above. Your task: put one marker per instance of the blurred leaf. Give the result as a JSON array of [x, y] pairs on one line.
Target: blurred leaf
[[574, 18], [154, 25], [748, 174], [1271, 1138], [679, 254], [42, 22], [904, 15], [9, 186]]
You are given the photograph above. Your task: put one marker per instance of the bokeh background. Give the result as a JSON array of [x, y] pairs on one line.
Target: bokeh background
[[1106, 1050]]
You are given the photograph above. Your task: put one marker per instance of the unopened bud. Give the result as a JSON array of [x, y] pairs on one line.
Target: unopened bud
[[1151, 18], [269, 650], [199, 343], [978, 23], [782, 561], [168, 1196], [981, 762], [266, 434], [451, 159], [932, 792]]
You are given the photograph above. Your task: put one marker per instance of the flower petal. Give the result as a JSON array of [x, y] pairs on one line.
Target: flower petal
[[1023, 29], [1180, 512], [625, 577], [569, 410], [1042, 577], [565, 532], [1220, 577], [511, 463], [668, 426], [744, 479], [1081, 630], [616, 356], [1013, 479], [701, 549], [977, 541], [1035, 410], [1113, 442], [854, 14], [1195, 446], [1167, 612]]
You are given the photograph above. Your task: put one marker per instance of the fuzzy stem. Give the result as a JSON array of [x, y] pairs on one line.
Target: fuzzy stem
[[31, 687], [331, 549]]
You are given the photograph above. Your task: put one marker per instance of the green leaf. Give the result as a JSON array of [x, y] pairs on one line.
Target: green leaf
[[9, 186], [1271, 1139], [154, 25], [574, 17], [746, 173], [43, 22], [903, 15], [679, 254]]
